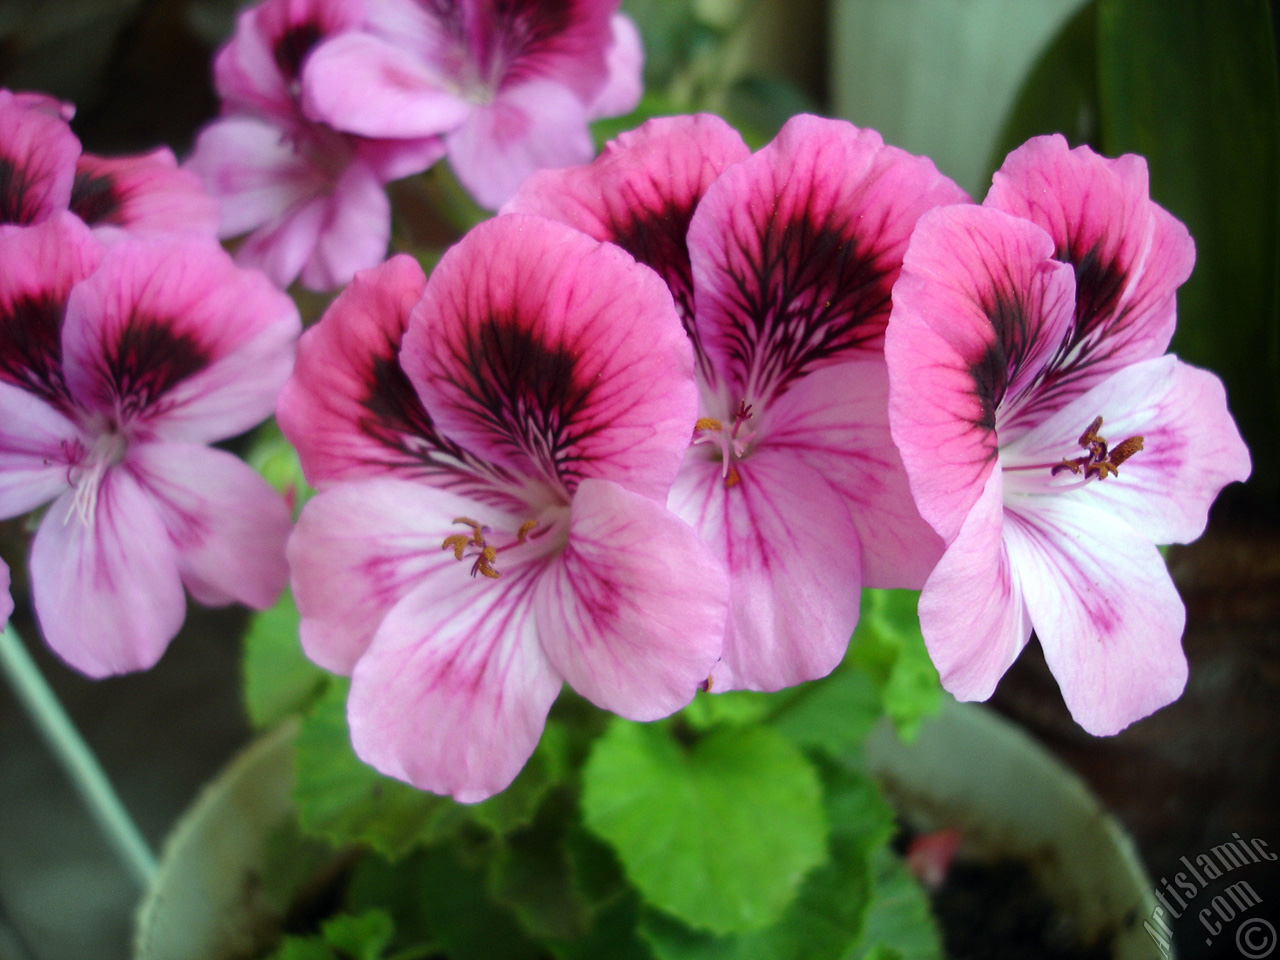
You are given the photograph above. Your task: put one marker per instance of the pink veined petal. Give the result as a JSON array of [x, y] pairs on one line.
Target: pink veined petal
[[393, 159], [259, 69], [976, 313], [516, 41], [1191, 449], [253, 170], [348, 408], [174, 335], [281, 248], [228, 524], [147, 192], [359, 548], [355, 231], [625, 61], [553, 355], [640, 193], [632, 612], [972, 612], [364, 85], [795, 250], [36, 446], [453, 693], [37, 161], [1129, 255], [1106, 612], [836, 420], [528, 127], [54, 107], [794, 567], [107, 590], [41, 265]]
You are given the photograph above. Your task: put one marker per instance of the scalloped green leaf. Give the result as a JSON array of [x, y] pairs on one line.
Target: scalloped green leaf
[[718, 832], [279, 680]]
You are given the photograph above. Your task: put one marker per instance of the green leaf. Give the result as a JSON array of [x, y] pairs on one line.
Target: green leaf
[[516, 806], [344, 801], [832, 715], [735, 708], [279, 680], [1061, 93], [827, 916], [939, 78], [888, 646], [719, 832], [899, 918], [276, 459], [1192, 85], [362, 936]]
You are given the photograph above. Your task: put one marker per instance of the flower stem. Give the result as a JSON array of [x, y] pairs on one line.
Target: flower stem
[[76, 758]]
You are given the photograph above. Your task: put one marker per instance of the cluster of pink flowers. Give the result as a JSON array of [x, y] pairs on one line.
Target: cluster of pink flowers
[[128, 342], [325, 101], [648, 431]]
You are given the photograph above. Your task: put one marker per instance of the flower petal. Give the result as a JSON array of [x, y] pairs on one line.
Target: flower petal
[[355, 231], [361, 84], [1106, 612], [107, 589], [529, 127], [795, 250], [358, 549], [41, 265], [228, 524], [625, 85], [972, 612], [453, 693], [976, 313], [566, 43], [836, 420], [632, 613], [1129, 255], [37, 444], [146, 192], [559, 357], [640, 193], [793, 559], [174, 334], [1191, 449], [37, 161]]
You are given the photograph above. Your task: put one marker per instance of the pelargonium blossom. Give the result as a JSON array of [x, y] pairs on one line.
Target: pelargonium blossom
[[43, 173], [510, 84], [310, 198], [118, 365], [1049, 439], [493, 449], [782, 263]]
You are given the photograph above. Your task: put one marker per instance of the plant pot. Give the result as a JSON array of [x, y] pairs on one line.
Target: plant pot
[[206, 902], [1012, 800]]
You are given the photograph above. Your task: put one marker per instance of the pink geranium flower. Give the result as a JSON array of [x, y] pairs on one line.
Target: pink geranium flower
[[782, 263], [43, 172], [493, 448], [118, 365], [1048, 439], [511, 86], [310, 198]]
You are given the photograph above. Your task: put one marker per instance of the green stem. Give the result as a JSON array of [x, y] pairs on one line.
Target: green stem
[[76, 758]]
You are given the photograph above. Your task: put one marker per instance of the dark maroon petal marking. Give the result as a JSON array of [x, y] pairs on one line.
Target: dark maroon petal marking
[[529, 392], [812, 293], [292, 47], [656, 238], [519, 31], [95, 199], [16, 203], [147, 359], [31, 347], [1099, 284]]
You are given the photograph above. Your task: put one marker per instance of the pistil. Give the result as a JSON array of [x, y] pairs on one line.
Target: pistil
[[1101, 461]]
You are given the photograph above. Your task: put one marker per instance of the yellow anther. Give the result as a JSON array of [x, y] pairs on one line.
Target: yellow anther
[[484, 564], [1125, 449], [732, 478], [708, 423], [477, 529], [457, 542], [524, 530]]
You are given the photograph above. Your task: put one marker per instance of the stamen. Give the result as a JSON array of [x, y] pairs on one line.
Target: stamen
[[485, 553], [708, 423], [484, 563], [732, 442], [524, 530], [458, 541], [1100, 462]]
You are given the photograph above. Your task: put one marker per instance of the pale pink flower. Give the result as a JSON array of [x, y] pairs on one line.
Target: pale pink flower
[[118, 365], [492, 449], [1048, 439], [782, 264], [511, 85], [311, 199]]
